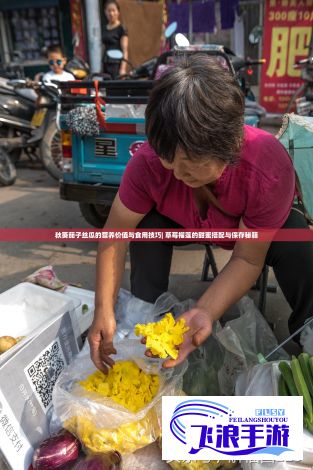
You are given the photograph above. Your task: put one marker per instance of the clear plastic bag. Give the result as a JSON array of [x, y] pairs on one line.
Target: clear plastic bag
[[243, 339], [306, 339], [148, 457], [129, 310], [259, 380], [101, 424], [201, 377]]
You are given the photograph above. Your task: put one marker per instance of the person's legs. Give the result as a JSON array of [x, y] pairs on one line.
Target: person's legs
[[151, 261], [292, 263]]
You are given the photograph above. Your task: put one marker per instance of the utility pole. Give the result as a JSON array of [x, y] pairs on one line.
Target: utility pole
[[94, 35]]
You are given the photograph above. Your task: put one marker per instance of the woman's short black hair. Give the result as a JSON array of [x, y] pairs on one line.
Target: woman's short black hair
[[114, 2], [197, 105]]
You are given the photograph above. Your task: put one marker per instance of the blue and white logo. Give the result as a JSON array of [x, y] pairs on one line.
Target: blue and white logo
[[226, 428]]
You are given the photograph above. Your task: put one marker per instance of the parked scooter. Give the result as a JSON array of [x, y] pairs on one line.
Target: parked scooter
[[237, 65], [253, 110], [27, 119], [28, 122], [153, 69]]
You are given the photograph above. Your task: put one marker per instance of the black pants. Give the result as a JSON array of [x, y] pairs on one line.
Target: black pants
[[292, 263], [112, 68]]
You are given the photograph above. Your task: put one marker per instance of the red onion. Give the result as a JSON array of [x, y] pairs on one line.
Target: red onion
[[56, 452]]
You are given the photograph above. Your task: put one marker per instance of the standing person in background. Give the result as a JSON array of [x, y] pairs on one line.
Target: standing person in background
[[114, 37]]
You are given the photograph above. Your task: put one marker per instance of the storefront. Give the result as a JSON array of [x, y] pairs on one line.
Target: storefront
[[29, 26]]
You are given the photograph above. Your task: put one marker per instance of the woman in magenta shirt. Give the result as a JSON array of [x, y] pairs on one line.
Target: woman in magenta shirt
[[202, 168]]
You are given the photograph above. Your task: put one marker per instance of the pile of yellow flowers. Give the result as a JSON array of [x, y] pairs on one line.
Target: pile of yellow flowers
[[126, 439], [132, 388], [125, 383], [162, 337]]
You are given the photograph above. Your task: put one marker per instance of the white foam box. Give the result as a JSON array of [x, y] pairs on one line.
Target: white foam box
[[26, 308], [84, 306], [27, 379], [29, 370]]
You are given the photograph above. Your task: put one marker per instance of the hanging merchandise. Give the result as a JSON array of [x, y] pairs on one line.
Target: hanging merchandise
[[203, 16], [78, 29], [180, 13], [228, 9], [32, 29]]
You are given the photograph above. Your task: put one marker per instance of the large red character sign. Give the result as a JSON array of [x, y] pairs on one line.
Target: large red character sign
[[287, 33]]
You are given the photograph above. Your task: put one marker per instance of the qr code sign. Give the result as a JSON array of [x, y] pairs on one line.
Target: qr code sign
[[43, 371]]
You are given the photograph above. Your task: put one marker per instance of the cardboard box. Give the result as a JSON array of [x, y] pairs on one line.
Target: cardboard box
[[26, 381]]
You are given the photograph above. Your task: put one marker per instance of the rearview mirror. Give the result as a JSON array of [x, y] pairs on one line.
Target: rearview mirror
[[170, 30], [255, 35], [181, 40], [115, 54]]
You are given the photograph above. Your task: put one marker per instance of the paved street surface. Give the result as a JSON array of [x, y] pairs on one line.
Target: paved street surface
[[33, 201]]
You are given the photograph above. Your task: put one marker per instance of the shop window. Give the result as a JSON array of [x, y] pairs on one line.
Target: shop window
[[33, 29]]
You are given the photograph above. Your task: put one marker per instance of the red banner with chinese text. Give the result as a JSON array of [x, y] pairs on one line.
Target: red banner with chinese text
[[286, 33], [78, 29]]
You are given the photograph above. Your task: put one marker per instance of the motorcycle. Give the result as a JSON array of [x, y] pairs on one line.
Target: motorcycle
[[28, 122], [153, 69]]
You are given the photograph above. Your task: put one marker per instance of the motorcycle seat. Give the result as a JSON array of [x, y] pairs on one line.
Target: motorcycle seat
[[27, 93]]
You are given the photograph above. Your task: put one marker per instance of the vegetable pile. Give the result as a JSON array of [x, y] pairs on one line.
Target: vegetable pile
[[297, 379], [163, 336], [125, 383]]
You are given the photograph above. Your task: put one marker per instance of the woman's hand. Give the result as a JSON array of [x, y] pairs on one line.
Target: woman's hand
[[122, 71], [100, 339], [200, 327]]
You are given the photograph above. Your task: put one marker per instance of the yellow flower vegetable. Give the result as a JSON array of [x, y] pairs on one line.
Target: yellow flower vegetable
[[163, 336], [126, 384], [201, 465], [126, 439], [132, 388]]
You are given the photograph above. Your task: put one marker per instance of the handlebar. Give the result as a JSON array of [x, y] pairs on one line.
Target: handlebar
[[255, 62], [35, 85], [241, 62], [303, 62]]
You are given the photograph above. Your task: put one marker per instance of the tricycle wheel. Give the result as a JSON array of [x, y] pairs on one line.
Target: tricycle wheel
[[51, 150], [7, 169], [95, 214], [14, 153]]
